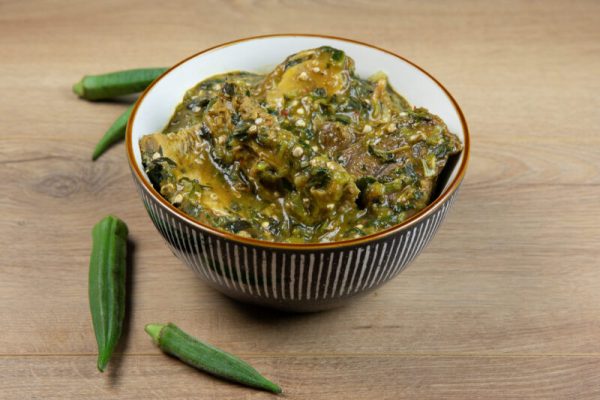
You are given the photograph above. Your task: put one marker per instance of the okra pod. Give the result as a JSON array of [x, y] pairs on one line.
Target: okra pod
[[115, 133], [106, 287], [190, 350], [114, 84]]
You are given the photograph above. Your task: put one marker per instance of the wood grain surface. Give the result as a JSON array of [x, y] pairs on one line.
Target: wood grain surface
[[505, 302]]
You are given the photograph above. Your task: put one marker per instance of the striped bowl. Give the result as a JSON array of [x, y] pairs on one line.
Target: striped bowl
[[298, 277]]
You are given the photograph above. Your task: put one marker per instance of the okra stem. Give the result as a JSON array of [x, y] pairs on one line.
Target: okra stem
[[190, 350]]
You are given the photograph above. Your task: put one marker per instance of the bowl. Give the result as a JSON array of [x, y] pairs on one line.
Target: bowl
[[296, 277]]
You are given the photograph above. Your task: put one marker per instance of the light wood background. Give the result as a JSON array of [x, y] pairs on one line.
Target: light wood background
[[505, 303]]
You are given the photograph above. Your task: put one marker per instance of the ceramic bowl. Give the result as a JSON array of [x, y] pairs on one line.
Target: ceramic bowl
[[298, 277]]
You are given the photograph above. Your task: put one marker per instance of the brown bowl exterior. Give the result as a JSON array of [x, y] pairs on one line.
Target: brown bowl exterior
[[291, 279]]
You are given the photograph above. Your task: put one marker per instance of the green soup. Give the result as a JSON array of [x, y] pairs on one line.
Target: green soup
[[307, 153]]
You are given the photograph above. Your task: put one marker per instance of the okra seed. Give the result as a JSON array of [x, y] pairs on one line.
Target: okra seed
[[178, 199], [297, 152]]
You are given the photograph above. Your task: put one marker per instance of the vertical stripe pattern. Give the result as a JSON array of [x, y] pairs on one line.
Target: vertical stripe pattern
[[307, 279]]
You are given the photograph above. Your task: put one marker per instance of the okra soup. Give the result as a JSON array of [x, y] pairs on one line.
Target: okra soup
[[309, 152]]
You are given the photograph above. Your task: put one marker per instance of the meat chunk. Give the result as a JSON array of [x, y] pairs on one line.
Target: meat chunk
[[334, 137], [324, 70]]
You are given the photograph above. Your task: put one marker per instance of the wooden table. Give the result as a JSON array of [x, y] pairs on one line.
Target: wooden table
[[505, 303]]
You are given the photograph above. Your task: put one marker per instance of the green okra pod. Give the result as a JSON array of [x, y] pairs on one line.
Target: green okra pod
[[106, 287], [190, 350], [115, 133], [114, 84]]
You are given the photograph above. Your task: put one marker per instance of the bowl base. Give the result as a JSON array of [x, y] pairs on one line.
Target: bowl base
[[291, 306]]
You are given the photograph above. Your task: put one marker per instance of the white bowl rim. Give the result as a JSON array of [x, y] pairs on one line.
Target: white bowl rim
[[408, 223]]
